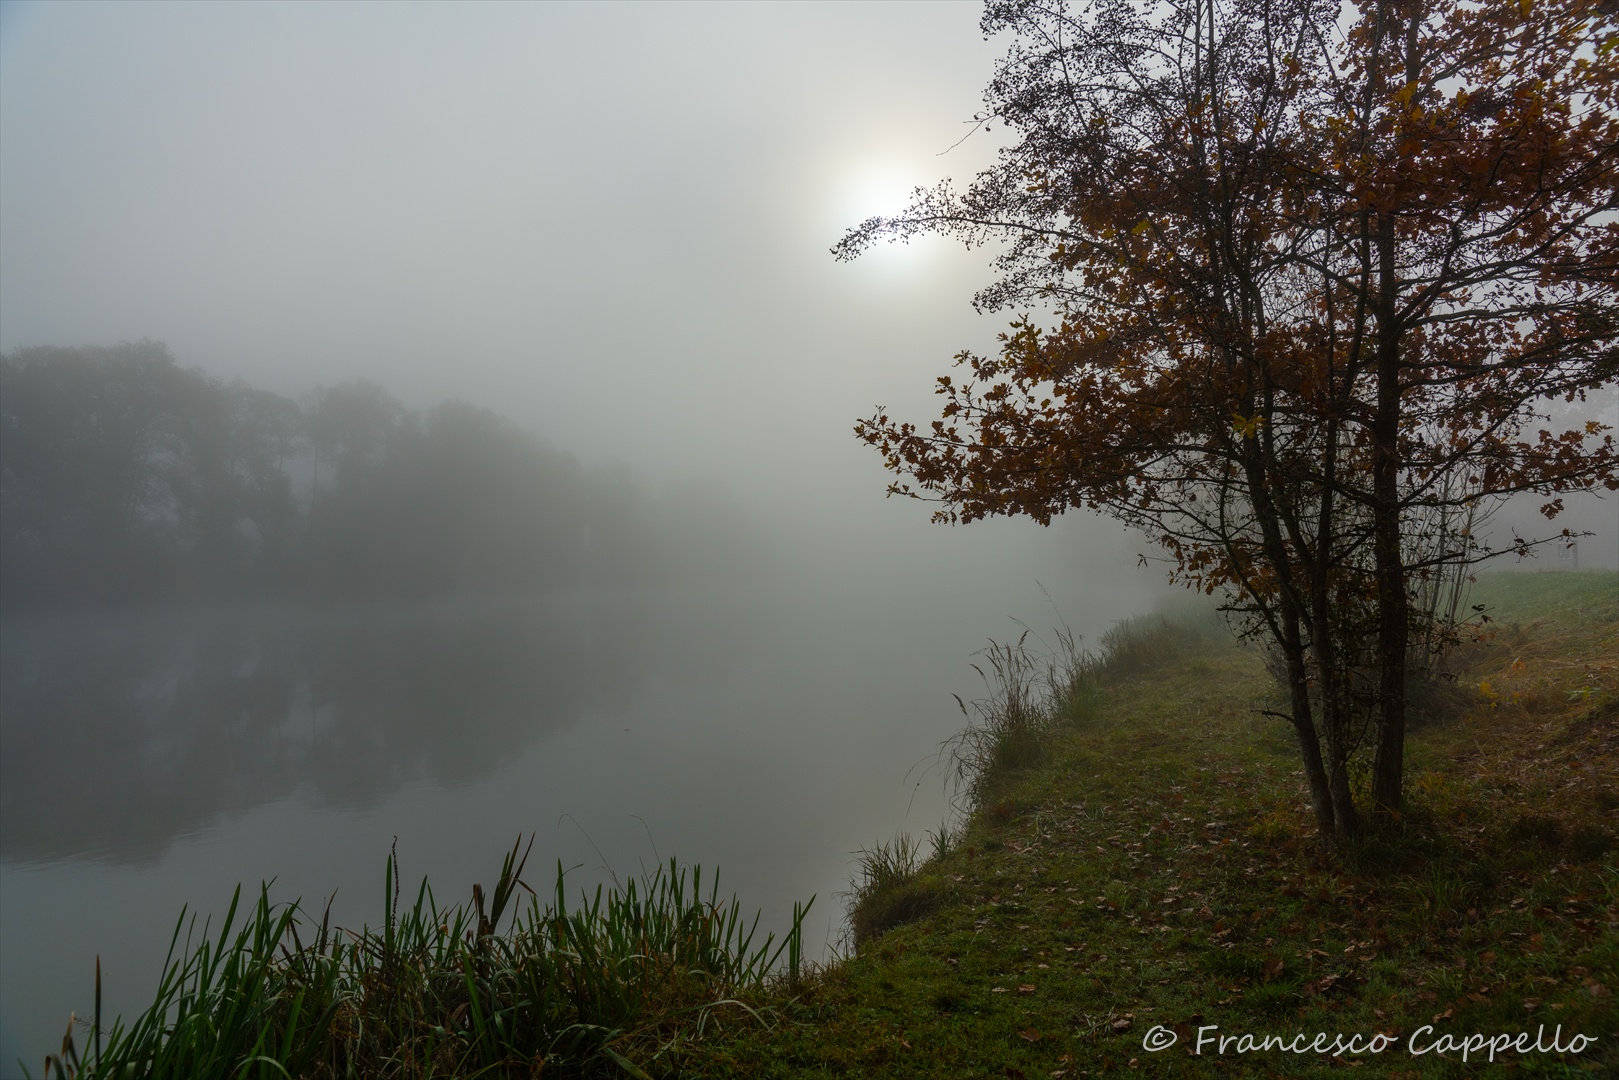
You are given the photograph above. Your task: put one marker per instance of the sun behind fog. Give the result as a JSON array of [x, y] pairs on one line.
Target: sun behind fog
[[873, 189], [880, 189]]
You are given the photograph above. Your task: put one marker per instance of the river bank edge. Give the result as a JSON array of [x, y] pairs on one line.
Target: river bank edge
[[1138, 889]]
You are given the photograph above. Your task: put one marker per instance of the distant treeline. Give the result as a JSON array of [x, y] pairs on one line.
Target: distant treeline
[[128, 479]]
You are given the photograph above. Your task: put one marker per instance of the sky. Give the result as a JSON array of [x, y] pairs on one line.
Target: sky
[[608, 222]]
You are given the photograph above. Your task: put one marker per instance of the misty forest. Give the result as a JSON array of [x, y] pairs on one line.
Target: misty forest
[[130, 480], [470, 472]]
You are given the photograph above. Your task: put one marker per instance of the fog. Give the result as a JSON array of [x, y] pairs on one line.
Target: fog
[[603, 230], [609, 223]]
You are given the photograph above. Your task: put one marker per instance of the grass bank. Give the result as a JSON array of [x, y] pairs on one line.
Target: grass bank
[[1140, 866]]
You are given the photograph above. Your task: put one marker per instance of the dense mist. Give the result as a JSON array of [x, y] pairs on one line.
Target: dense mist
[[609, 225], [430, 423], [128, 479]]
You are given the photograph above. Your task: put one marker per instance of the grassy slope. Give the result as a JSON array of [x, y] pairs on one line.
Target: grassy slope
[[1160, 868]]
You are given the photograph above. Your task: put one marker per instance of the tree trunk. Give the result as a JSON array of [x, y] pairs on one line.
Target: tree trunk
[[1315, 773], [1331, 698], [1329, 783], [1393, 637]]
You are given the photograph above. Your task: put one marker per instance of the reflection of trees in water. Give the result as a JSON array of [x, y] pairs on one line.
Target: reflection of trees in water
[[119, 733]]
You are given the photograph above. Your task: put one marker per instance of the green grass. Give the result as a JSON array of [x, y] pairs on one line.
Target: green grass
[[616, 986], [1154, 864]]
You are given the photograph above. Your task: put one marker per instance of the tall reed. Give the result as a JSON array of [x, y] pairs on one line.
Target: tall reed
[[610, 986], [1028, 692]]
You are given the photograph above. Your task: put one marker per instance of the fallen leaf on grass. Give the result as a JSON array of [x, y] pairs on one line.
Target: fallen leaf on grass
[[1272, 967], [1030, 1035], [1026, 988], [1321, 986]]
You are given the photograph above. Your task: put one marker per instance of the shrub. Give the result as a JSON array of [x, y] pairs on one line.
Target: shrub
[[889, 890]]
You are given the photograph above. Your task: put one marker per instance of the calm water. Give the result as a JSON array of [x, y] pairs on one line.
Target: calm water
[[152, 761]]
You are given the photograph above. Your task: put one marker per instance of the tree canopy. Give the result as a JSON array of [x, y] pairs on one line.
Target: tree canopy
[[1313, 280]]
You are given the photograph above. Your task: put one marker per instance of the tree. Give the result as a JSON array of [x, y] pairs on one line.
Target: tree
[[128, 479], [86, 484], [1310, 288]]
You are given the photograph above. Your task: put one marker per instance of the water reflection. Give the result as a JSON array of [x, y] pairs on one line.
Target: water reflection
[[118, 734]]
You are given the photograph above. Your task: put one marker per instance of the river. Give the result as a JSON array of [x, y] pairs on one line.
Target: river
[[154, 760]]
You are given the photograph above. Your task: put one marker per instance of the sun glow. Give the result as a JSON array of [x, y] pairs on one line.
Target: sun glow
[[873, 190], [880, 189]]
